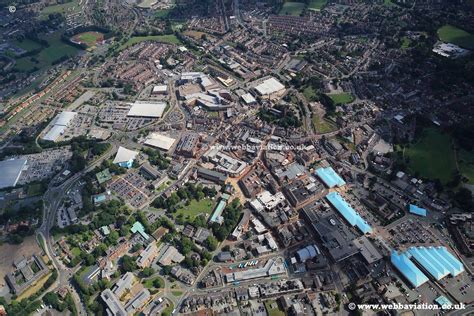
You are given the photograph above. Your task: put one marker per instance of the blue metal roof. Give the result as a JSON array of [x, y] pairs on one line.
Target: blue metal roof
[[408, 269], [443, 301], [429, 262], [417, 210], [348, 212], [453, 264], [218, 211], [330, 177]]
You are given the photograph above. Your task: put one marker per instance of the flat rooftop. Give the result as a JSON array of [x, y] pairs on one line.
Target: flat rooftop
[[11, 172]]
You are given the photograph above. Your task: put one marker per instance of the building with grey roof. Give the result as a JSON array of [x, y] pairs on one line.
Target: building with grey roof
[[114, 306], [11, 172], [123, 284], [137, 301]]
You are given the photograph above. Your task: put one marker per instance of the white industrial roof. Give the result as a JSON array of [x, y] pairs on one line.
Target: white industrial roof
[[54, 132], [160, 88], [11, 171], [160, 141], [269, 86], [64, 118], [124, 155], [143, 109], [248, 98]]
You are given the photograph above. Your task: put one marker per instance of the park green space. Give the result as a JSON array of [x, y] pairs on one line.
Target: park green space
[[341, 98], [68, 7], [169, 39], [275, 311], [452, 34], [162, 13], [34, 189], [322, 126], [27, 44], [48, 55], [309, 93], [177, 293], [316, 4], [432, 155], [76, 251], [195, 208], [149, 283], [292, 8], [90, 38], [405, 42]]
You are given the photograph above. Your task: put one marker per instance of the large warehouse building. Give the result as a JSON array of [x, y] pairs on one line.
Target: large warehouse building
[[147, 109], [160, 141], [11, 172], [270, 88], [59, 125]]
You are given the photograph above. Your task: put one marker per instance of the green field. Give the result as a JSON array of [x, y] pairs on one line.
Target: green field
[[452, 34], [204, 206], [27, 44], [68, 7], [405, 42], [169, 39], [316, 4], [432, 156], [309, 93], [35, 189], [162, 13], [48, 55], [292, 8], [322, 126], [341, 98], [89, 38], [273, 309], [149, 283], [76, 251], [466, 164]]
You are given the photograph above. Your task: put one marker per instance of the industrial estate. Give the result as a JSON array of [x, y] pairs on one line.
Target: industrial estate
[[236, 157]]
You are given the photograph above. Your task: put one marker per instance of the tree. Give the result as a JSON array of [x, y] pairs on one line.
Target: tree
[[148, 271], [211, 243], [128, 264], [157, 283]]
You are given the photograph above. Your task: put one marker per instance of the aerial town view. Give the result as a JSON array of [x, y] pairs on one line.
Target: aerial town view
[[236, 157]]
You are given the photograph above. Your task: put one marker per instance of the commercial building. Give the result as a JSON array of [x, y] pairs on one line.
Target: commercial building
[[330, 178], [348, 212], [225, 163], [124, 284], [159, 90], [59, 125], [138, 228], [188, 145], [160, 141], [169, 255], [147, 256], [147, 109], [114, 306], [270, 88], [273, 267], [211, 175], [125, 157], [11, 172], [248, 99], [413, 209], [307, 253], [408, 269], [216, 216], [137, 302]]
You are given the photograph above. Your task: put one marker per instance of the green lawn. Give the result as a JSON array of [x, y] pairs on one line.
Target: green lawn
[[452, 34], [316, 4], [292, 8], [48, 55], [204, 206], [35, 189], [405, 42], [432, 156], [322, 126], [90, 38], [309, 93], [466, 164], [27, 44], [169, 39], [177, 293], [388, 3], [272, 308], [76, 251], [149, 283], [162, 13], [68, 7], [341, 98]]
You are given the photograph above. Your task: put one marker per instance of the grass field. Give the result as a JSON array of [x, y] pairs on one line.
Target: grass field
[[316, 4], [177, 293], [309, 93], [405, 42], [34, 189], [48, 55], [466, 164], [322, 126], [452, 34], [170, 39], [273, 309], [341, 98], [204, 206], [68, 7], [27, 44], [88, 38], [292, 8], [162, 13], [432, 156], [149, 283], [76, 251]]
